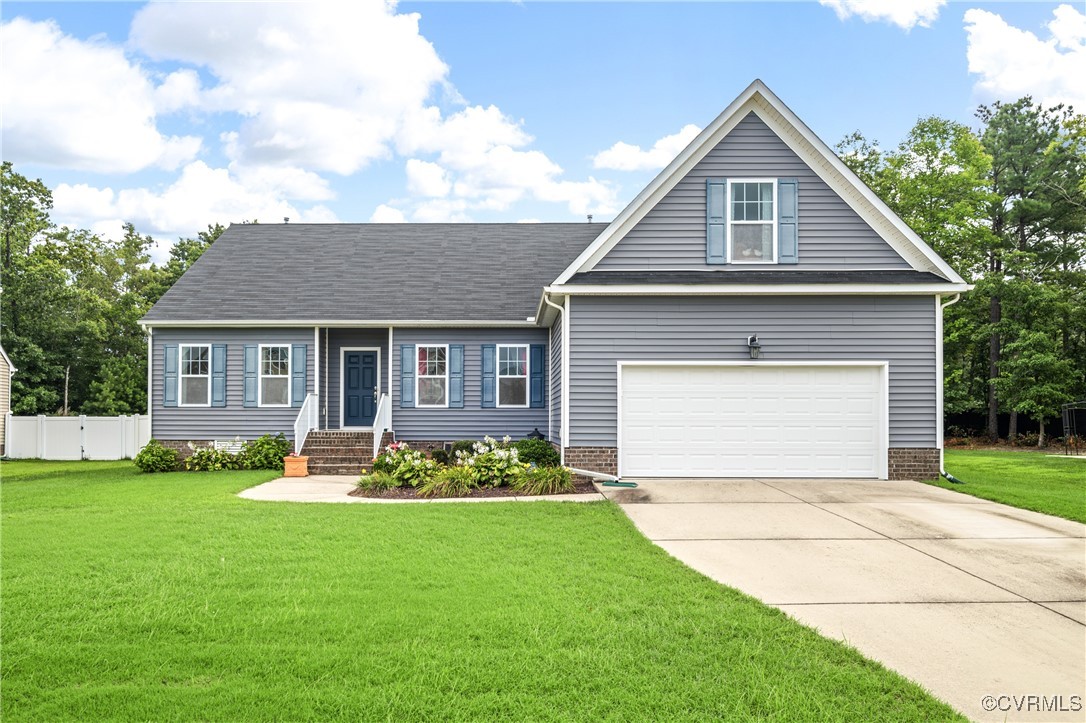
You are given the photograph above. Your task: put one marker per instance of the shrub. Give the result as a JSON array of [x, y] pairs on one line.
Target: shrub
[[492, 463], [156, 457], [408, 466], [267, 452], [449, 482], [209, 459], [544, 481], [538, 452], [440, 456], [377, 482], [463, 445]]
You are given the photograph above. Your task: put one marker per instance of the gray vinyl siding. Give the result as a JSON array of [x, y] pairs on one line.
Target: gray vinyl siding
[[897, 329], [554, 378], [471, 422], [672, 234], [233, 420], [331, 360]]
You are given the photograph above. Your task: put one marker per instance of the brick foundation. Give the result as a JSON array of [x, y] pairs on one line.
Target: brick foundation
[[594, 459], [914, 463], [184, 451]]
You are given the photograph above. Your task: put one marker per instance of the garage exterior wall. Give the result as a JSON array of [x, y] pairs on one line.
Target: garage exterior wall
[[897, 329]]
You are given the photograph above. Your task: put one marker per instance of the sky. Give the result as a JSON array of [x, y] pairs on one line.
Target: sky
[[173, 116]]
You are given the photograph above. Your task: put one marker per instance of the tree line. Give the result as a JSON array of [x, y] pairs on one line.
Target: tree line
[[1003, 203], [70, 304]]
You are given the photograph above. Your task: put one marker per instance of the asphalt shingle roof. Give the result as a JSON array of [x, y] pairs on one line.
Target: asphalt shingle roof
[[385, 272]]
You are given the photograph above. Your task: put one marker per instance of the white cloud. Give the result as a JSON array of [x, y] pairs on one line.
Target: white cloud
[[179, 90], [387, 214], [81, 104], [904, 13], [324, 86], [427, 179], [627, 157], [1012, 62], [201, 195]]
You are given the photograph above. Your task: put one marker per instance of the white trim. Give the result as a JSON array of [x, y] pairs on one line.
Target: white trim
[[260, 376], [11, 367], [716, 269], [881, 463], [150, 370], [498, 375], [939, 382], [391, 407], [342, 370], [819, 157], [418, 376], [728, 221], [757, 289], [316, 369], [181, 376], [343, 323]]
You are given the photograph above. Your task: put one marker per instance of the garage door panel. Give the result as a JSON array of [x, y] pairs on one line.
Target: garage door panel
[[751, 420]]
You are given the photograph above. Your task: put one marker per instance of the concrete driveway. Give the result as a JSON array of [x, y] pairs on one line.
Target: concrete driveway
[[969, 598]]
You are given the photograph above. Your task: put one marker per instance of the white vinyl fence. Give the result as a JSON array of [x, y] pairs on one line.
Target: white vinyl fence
[[76, 437]]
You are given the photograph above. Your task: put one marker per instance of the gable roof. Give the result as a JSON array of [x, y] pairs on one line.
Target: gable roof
[[761, 101], [358, 274]]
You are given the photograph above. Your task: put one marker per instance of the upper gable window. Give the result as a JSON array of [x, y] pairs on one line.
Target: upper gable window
[[752, 227], [752, 221]]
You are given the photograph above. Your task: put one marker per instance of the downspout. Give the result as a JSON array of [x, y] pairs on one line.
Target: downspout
[[942, 444], [565, 341]]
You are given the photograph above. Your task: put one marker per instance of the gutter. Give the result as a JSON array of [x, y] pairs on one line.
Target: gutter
[[942, 447]]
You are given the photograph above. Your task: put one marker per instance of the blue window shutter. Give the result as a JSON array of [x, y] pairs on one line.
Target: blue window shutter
[[456, 376], [298, 373], [407, 375], [788, 221], [490, 396], [536, 355], [218, 375], [716, 222], [251, 363], [169, 375]]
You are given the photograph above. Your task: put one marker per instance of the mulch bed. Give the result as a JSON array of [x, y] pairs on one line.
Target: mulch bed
[[408, 493]]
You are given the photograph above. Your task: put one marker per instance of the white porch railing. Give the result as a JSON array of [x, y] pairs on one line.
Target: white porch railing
[[382, 422], [308, 418]]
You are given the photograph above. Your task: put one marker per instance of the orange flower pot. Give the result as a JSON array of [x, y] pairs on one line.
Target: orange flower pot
[[295, 466]]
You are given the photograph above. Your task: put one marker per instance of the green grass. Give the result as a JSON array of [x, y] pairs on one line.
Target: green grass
[[1030, 480], [152, 597]]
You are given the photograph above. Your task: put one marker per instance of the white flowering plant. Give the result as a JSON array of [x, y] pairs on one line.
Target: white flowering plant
[[492, 463], [409, 467]]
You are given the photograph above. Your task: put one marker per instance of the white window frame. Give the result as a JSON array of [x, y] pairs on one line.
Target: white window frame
[[419, 377], [260, 376], [774, 223], [181, 376], [498, 375]]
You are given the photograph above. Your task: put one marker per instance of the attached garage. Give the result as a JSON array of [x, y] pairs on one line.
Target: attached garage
[[756, 419]]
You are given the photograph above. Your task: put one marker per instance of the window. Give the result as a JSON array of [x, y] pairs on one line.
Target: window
[[432, 382], [513, 376], [752, 227], [195, 375], [274, 376]]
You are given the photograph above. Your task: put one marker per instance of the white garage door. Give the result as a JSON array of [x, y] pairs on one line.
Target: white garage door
[[751, 421]]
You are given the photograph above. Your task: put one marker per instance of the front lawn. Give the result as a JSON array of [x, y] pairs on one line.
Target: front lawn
[[152, 597], [1030, 480]]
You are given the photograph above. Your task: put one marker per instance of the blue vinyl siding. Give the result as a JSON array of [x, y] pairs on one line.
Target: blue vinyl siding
[[897, 329], [673, 234], [472, 421], [234, 419]]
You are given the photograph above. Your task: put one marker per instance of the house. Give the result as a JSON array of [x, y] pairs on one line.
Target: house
[[755, 311], [7, 369]]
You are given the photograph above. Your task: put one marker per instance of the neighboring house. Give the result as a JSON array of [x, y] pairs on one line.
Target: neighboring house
[[629, 346], [7, 369]]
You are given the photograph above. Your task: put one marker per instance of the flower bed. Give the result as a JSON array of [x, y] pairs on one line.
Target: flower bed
[[484, 469]]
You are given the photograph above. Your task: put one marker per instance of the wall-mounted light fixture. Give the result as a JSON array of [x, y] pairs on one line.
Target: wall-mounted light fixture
[[754, 345]]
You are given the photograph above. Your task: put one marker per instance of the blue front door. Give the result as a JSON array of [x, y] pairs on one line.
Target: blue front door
[[359, 388]]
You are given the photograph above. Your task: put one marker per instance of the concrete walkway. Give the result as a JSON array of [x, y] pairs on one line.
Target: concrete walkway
[[967, 597], [334, 488]]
